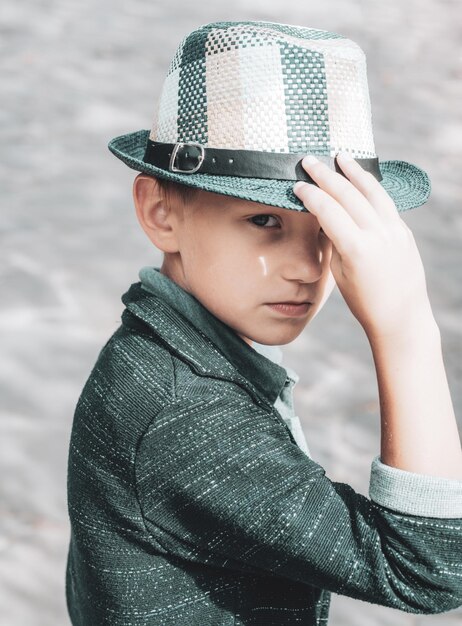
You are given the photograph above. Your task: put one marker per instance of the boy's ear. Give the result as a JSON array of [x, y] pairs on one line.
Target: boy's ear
[[154, 213]]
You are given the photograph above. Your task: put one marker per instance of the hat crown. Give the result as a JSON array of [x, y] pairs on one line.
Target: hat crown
[[269, 87]]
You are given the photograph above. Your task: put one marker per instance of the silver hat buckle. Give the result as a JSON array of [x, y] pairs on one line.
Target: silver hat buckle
[[172, 165]]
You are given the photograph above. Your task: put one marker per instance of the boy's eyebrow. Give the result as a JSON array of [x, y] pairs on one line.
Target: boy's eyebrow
[[260, 209]]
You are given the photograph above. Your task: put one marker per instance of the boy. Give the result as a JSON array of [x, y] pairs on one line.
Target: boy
[[193, 497]]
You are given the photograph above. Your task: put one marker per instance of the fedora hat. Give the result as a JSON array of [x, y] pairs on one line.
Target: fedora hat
[[242, 104]]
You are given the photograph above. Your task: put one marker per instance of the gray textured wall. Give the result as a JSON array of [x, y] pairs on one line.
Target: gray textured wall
[[73, 75]]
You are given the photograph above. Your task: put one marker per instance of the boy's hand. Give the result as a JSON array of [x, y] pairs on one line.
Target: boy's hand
[[375, 260]]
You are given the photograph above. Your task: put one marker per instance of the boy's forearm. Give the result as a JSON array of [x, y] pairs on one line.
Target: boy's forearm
[[418, 427]]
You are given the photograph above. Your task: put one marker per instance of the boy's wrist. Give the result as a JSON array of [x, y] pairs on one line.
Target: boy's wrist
[[410, 333]]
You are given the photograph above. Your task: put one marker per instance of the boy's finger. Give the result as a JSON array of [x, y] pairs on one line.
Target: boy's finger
[[369, 186], [338, 225], [344, 192]]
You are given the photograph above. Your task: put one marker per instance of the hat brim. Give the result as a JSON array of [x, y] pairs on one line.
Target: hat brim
[[408, 185]]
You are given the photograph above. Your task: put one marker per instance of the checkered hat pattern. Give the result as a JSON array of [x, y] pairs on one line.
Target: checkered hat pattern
[[271, 88]]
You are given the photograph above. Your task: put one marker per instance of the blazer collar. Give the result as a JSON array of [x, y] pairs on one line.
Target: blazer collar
[[198, 336]]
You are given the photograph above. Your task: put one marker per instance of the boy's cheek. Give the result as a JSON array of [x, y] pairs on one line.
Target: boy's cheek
[[329, 286]]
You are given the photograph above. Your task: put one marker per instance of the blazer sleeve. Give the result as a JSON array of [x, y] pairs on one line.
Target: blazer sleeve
[[221, 481]]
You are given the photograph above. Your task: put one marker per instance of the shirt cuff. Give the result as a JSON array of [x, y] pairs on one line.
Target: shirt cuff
[[415, 494]]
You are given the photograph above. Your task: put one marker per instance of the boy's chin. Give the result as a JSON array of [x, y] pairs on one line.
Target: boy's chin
[[272, 338]]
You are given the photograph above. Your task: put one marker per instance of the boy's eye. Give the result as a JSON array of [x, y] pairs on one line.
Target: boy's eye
[[264, 220]]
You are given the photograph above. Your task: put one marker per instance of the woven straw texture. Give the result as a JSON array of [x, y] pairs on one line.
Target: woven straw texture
[[255, 88], [272, 88]]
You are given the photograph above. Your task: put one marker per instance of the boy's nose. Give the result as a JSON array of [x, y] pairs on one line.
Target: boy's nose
[[303, 261]]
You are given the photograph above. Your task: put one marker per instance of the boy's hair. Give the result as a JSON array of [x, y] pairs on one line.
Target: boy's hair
[[183, 192]]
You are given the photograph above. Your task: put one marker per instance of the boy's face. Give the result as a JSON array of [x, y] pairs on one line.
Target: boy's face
[[246, 261]]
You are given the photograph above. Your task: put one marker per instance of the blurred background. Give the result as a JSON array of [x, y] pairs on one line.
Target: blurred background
[[73, 75]]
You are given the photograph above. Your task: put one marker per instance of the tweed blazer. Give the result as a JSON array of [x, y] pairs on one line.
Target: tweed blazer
[[191, 503]]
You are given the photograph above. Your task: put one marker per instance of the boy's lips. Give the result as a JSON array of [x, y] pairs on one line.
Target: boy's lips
[[292, 309]]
